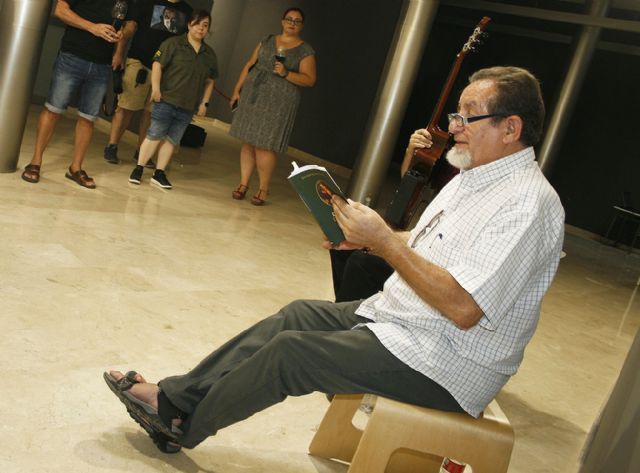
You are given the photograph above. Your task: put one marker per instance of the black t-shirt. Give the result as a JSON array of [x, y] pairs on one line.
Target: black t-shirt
[[157, 20], [82, 43]]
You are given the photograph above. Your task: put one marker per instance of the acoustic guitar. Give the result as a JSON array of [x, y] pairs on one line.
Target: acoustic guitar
[[429, 167]]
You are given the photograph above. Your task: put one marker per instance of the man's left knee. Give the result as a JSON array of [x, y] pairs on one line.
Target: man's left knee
[[286, 348], [294, 306], [300, 307]]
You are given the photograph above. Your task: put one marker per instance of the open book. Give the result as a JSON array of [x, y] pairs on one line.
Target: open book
[[316, 187]]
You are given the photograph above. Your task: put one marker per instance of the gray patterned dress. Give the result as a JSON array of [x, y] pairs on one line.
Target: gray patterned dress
[[268, 103]]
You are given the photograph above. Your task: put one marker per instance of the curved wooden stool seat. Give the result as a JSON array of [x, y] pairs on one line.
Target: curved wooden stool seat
[[484, 443]]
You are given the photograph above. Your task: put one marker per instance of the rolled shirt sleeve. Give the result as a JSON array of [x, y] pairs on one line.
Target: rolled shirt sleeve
[[164, 54]]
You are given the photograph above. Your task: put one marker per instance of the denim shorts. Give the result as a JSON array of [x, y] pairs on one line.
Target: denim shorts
[[72, 74], [168, 122]]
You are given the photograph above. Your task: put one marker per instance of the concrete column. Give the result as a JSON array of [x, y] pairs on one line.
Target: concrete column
[[22, 27], [582, 54], [396, 83]]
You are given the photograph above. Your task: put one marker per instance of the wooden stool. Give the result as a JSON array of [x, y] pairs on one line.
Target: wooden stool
[[484, 443]]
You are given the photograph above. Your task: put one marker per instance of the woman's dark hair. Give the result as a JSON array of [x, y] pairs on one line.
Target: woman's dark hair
[[286, 12], [198, 15], [517, 93]]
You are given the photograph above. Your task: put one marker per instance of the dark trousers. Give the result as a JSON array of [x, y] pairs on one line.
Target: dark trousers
[[357, 275], [307, 346]]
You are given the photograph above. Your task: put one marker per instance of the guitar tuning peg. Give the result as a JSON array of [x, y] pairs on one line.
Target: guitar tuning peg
[[484, 35]]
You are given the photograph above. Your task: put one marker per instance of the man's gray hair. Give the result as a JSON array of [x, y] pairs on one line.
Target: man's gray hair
[[518, 93]]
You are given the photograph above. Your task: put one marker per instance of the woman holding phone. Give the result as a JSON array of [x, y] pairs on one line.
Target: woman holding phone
[[267, 96]]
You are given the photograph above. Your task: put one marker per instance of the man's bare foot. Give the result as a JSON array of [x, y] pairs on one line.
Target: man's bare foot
[[146, 392]]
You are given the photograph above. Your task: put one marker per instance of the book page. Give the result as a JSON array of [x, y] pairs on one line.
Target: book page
[[307, 167]]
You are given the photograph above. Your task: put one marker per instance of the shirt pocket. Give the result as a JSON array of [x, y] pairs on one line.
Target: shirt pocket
[[444, 247]]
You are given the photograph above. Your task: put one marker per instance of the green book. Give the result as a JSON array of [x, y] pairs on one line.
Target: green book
[[316, 187]]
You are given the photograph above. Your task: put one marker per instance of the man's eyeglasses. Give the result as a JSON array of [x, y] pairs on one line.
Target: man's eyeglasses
[[427, 228], [293, 21], [460, 120]]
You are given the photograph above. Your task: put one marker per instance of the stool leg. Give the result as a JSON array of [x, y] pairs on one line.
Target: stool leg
[[337, 437], [375, 448], [385, 433], [635, 237], [614, 219], [491, 455], [485, 444]]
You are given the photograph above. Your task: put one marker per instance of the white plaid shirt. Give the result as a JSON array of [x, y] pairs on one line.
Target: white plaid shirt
[[498, 230]]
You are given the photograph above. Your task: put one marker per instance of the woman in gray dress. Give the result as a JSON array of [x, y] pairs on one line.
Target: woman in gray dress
[[267, 96]]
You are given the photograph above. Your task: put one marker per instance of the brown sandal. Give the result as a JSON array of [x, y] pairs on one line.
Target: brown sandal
[[260, 198], [31, 173], [81, 178], [239, 192]]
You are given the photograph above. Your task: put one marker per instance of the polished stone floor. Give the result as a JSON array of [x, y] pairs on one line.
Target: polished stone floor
[[133, 277]]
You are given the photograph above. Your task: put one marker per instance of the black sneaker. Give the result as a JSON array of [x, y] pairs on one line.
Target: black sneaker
[[160, 179], [150, 164], [136, 175], [111, 154]]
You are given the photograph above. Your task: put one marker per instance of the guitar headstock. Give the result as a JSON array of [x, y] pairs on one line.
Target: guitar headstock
[[477, 37], [470, 45]]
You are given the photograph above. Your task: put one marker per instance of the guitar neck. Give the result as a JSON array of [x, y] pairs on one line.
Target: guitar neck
[[453, 74], [446, 91]]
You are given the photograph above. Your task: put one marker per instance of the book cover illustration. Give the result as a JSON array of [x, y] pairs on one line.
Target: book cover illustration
[[316, 187]]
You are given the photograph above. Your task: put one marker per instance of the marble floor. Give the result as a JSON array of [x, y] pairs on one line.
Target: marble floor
[[133, 277]]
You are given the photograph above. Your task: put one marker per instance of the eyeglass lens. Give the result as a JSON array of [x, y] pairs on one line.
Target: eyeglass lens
[[461, 120]]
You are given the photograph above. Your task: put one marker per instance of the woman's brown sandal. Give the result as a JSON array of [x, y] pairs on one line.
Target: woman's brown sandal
[[31, 173], [260, 198], [240, 192]]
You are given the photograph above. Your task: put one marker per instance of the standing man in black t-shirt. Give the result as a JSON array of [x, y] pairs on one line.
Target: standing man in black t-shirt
[[145, 15], [83, 64]]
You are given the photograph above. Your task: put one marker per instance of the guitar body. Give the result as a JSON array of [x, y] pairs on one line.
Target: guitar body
[[429, 156], [429, 171], [433, 160], [430, 163]]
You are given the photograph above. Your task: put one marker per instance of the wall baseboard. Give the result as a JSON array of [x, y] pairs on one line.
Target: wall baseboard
[[586, 234]]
